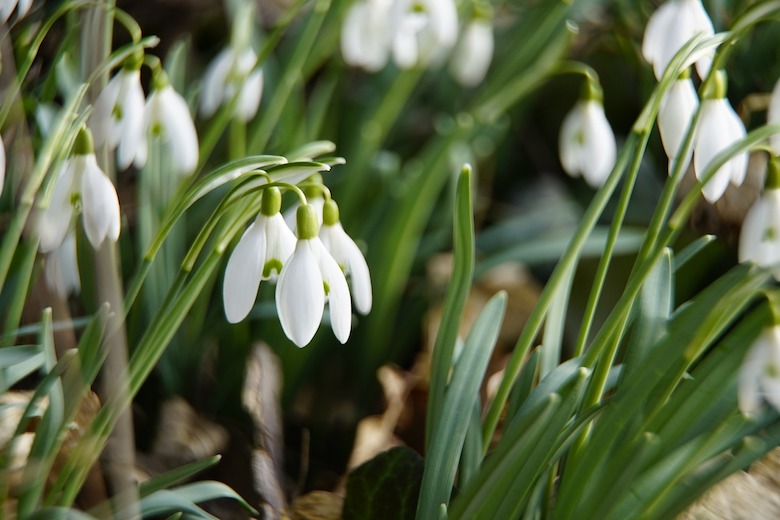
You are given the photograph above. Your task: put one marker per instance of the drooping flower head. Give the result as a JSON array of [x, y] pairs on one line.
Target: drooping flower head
[[62, 271], [348, 256], [675, 115], [309, 279], [759, 240], [586, 142], [424, 31], [167, 119], [82, 186], [231, 72], [669, 28], [474, 51], [759, 375], [259, 255], [118, 117], [366, 34], [719, 127]]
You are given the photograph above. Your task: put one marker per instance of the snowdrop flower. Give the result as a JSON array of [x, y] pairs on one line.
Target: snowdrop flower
[[7, 7], [366, 34], [423, 30], [2, 165], [314, 197], [759, 241], [62, 271], [719, 127], [167, 118], [773, 117], [259, 255], [759, 375], [675, 115], [586, 142], [669, 28], [347, 254], [81, 183], [118, 117], [474, 52], [310, 278], [231, 72]]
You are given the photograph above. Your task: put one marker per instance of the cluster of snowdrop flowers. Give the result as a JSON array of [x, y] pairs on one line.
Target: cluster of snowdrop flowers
[[310, 265], [586, 142], [417, 33], [80, 186], [125, 121], [759, 375]]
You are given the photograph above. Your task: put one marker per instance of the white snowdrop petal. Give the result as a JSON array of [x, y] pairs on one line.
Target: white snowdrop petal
[[243, 273], [6, 8], [102, 117], [214, 82], [748, 393], [300, 296], [249, 97], [280, 239], [180, 131], [133, 120], [570, 141], [474, 53], [339, 300], [100, 205], [55, 220], [443, 17], [352, 42], [600, 145], [674, 116], [710, 141]]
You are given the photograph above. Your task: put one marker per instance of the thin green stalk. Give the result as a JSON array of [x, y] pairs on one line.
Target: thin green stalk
[[24, 277]]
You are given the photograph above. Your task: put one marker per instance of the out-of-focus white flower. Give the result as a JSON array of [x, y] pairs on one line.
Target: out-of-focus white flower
[[347, 255], [366, 34], [674, 117], [719, 127], [259, 255], [7, 7], [759, 375], [167, 118], [82, 183], [424, 31], [231, 72], [474, 52], [773, 117], [2, 164], [62, 271], [669, 28], [759, 240], [586, 142], [118, 117], [310, 278]]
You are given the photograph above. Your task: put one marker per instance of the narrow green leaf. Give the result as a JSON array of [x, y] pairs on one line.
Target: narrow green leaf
[[18, 362], [177, 475]]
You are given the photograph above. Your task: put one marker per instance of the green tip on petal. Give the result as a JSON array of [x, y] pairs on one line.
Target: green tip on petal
[[83, 144], [772, 181], [591, 91], [306, 220], [330, 213], [271, 202], [717, 87]]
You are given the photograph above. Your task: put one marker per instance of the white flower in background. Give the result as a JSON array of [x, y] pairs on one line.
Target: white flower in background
[[586, 142], [669, 28], [759, 240], [759, 375], [309, 278], [424, 30], [7, 7], [118, 117], [167, 118], [259, 255], [62, 271], [719, 127], [474, 52], [231, 72], [675, 114], [2, 164], [81, 183], [347, 255], [366, 34], [773, 117]]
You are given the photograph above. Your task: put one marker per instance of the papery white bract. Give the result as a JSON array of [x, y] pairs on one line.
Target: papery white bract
[[759, 240], [674, 116], [759, 375], [366, 34], [669, 28], [587, 143], [719, 127], [773, 117], [309, 278], [260, 255], [167, 117], [348, 256], [474, 52], [62, 271], [231, 71], [118, 117]]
